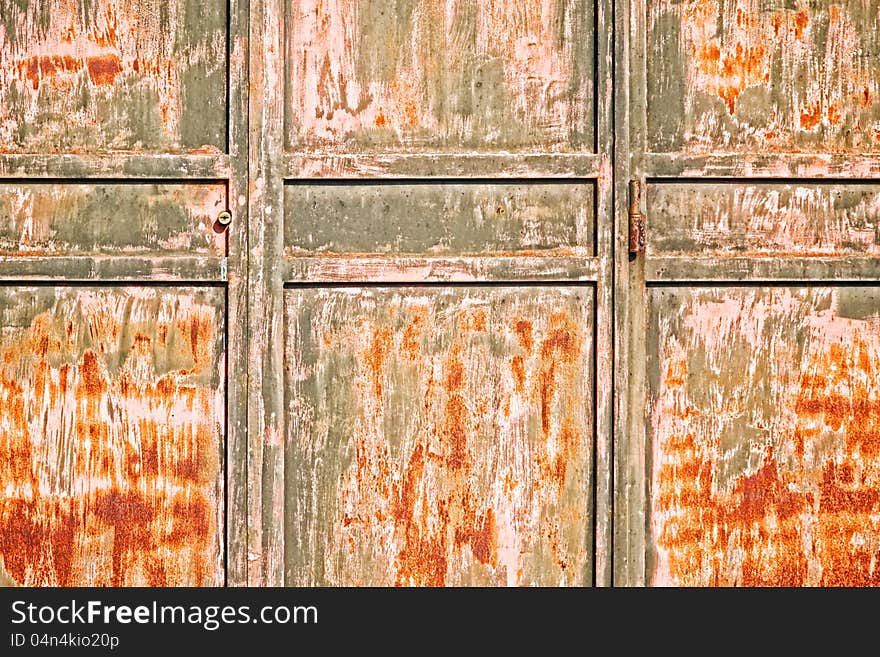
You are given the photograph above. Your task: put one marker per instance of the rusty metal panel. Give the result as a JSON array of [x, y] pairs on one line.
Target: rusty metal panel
[[439, 436], [111, 435], [440, 218], [764, 436], [366, 75], [43, 218], [763, 219], [113, 75], [761, 76]]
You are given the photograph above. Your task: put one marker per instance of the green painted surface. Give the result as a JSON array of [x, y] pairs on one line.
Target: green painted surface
[[81, 76], [373, 75], [439, 436], [121, 219], [438, 219]]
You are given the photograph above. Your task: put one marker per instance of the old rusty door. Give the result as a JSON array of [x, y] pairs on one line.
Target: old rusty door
[[750, 451], [430, 283], [121, 141]]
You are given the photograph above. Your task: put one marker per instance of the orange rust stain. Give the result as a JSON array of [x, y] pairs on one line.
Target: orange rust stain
[[866, 98], [523, 330], [381, 121], [91, 377], [411, 111], [455, 429], [846, 508], [519, 373], [430, 507], [376, 353], [676, 373], [422, 558], [833, 114], [103, 69], [758, 511], [484, 540], [810, 118], [559, 350], [99, 48], [473, 319], [732, 69], [39, 67], [563, 340], [569, 440], [561, 346], [835, 393], [766, 516], [552, 535], [116, 521], [413, 333], [422, 561], [741, 56], [776, 22], [108, 36], [197, 330], [481, 534], [800, 23], [30, 69]]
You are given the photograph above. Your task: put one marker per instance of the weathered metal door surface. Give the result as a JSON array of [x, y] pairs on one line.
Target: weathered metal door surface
[[119, 291], [399, 369], [430, 278], [752, 450]]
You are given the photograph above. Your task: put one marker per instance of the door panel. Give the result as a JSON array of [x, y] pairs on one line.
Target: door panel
[[113, 75], [442, 364], [123, 224], [428, 160], [62, 218], [496, 218], [779, 219], [439, 436], [748, 452], [372, 76], [764, 422], [766, 77], [112, 410]]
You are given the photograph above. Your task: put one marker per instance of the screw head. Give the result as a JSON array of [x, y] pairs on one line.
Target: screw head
[[224, 218]]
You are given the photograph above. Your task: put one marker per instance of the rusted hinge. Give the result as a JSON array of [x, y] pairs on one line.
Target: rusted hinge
[[636, 218]]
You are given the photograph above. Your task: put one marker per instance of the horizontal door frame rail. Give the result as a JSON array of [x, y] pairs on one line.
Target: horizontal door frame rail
[[98, 268], [761, 165], [769, 269], [117, 166], [450, 269], [444, 165]]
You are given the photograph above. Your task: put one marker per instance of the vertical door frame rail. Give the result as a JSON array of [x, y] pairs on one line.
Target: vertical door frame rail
[[228, 272], [269, 271]]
